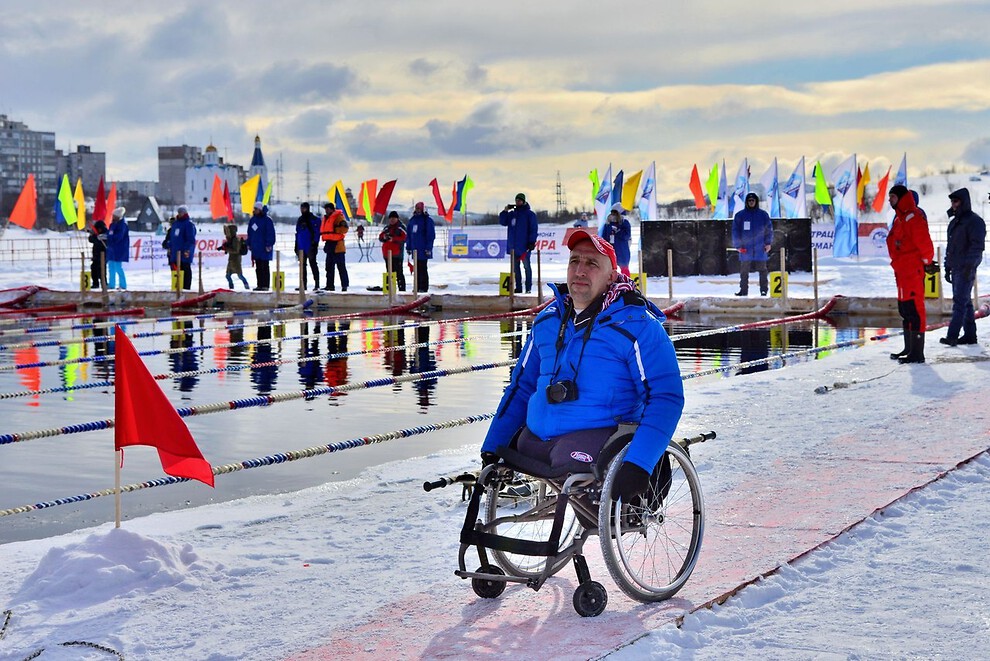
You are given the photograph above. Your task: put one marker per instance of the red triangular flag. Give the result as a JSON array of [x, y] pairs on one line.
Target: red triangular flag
[[227, 203], [384, 195], [217, 208], [695, 186], [453, 204], [144, 416], [25, 211], [441, 210], [100, 206], [881, 197]]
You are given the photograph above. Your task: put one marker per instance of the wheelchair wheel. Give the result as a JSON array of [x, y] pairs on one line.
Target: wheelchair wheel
[[651, 546], [487, 588], [524, 509], [590, 599]]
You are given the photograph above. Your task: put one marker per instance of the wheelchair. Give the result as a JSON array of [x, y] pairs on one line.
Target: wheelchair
[[527, 524]]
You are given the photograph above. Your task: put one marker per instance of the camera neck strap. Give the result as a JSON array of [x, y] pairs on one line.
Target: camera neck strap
[[588, 316]]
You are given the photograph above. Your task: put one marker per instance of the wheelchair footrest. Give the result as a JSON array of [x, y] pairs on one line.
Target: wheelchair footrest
[[511, 544]]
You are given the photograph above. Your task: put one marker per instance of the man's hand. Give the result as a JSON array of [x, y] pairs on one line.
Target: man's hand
[[488, 458], [767, 249], [931, 268], [531, 246], [630, 481]]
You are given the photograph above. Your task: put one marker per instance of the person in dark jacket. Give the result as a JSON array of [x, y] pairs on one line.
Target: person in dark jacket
[[392, 237], [308, 242], [98, 269], [521, 234], [967, 234], [911, 251], [618, 232], [420, 235], [118, 249], [235, 247], [261, 243], [752, 236], [182, 245], [596, 356]]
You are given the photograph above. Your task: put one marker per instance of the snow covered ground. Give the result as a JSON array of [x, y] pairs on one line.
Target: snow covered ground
[[270, 577]]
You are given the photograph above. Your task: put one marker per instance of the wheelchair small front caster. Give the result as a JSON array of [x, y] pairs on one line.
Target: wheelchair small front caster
[[590, 599], [486, 588]]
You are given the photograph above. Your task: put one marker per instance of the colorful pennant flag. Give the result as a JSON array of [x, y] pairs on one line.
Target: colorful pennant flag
[[603, 200], [793, 195], [822, 196], [740, 189], [228, 205], [80, 199], [771, 188], [463, 187], [629, 190], [25, 211], [711, 185], [593, 176], [338, 195], [218, 210], [721, 201], [861, 182], [881, 197], [648, 195], [100, 206], [66, 203], [266, 198], [696, 190], [144, 416], [846, 241], [249, 193], [366, 198], [616, 190], [112, 198], [441, 210], [383, 197]]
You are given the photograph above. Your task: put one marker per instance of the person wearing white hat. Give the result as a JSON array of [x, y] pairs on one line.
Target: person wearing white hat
[[118, 249]]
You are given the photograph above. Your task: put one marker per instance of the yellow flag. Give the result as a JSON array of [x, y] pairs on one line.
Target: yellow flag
[[268, 193], [629, 190], [861, 187], [81, 205], [249, 193]]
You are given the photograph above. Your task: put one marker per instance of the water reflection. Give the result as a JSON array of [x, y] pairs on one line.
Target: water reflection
[[394, 356], [183, 361], [335, 372], [423, 361], [264, 375], [309, 349]]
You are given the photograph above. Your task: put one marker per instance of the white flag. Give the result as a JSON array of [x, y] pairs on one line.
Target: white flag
[[648, 194], [793, 194], [771, 189], [901, 178], [603, 201], [846, 243], [740, 190]]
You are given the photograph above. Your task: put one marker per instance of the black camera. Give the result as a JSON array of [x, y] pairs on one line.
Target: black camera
[[562, 391]]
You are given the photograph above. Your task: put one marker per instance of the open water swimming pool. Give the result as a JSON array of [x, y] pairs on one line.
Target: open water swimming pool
[[63, 380]]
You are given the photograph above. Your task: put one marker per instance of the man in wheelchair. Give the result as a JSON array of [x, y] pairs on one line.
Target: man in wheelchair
[[596, 357], [598, 365]]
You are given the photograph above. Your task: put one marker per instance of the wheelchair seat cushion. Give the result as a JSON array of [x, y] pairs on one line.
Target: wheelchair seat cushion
[[571, 453]]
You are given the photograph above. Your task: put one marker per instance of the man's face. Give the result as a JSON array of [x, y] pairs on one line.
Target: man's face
[[893, 200], [520, 202], [589, 274], [751, 201]]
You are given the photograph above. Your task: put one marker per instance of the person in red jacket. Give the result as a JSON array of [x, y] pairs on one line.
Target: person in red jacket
[[392, 237], [910, 247]]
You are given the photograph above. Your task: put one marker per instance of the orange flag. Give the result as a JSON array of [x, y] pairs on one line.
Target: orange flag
[[881, 197], [696, 190], [144, 416], [112, 198], [217, 207], [25, 211]]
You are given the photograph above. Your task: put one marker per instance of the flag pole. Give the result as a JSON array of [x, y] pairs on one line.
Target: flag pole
[[118, 459]]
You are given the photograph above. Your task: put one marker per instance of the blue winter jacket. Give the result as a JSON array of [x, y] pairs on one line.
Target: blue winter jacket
[[181, 239], [118, 242], [752, 231], [261, 237], [965, 236], [628, 373], [307, 232], [523, 228], [420, 235], [619, 235]]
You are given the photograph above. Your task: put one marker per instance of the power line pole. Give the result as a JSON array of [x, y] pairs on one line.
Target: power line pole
[[561, 197], [278, 177], [309, 179]]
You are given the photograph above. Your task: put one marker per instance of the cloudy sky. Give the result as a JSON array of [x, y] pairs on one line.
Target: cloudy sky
[[509, 92]]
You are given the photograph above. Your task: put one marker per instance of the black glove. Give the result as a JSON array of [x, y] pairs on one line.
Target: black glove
[[530, 246], [428, 254], [948, 276], [931, 269], [630, 481], [488, 458]]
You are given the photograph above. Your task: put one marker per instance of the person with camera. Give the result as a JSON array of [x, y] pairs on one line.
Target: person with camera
[[597, 356], [392, 237], [523, 227], [966, 236], [911, 252]]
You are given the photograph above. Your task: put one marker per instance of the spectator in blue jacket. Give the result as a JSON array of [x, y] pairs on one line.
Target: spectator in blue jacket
[[308, 242], [966, 236], [261, 243], [520, 238], [420, 235], [597, 356], [182, 245], [118, 249], [618, 232], [752, 236]]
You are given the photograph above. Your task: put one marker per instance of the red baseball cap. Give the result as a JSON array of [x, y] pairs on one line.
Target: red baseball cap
[[600, 244]]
